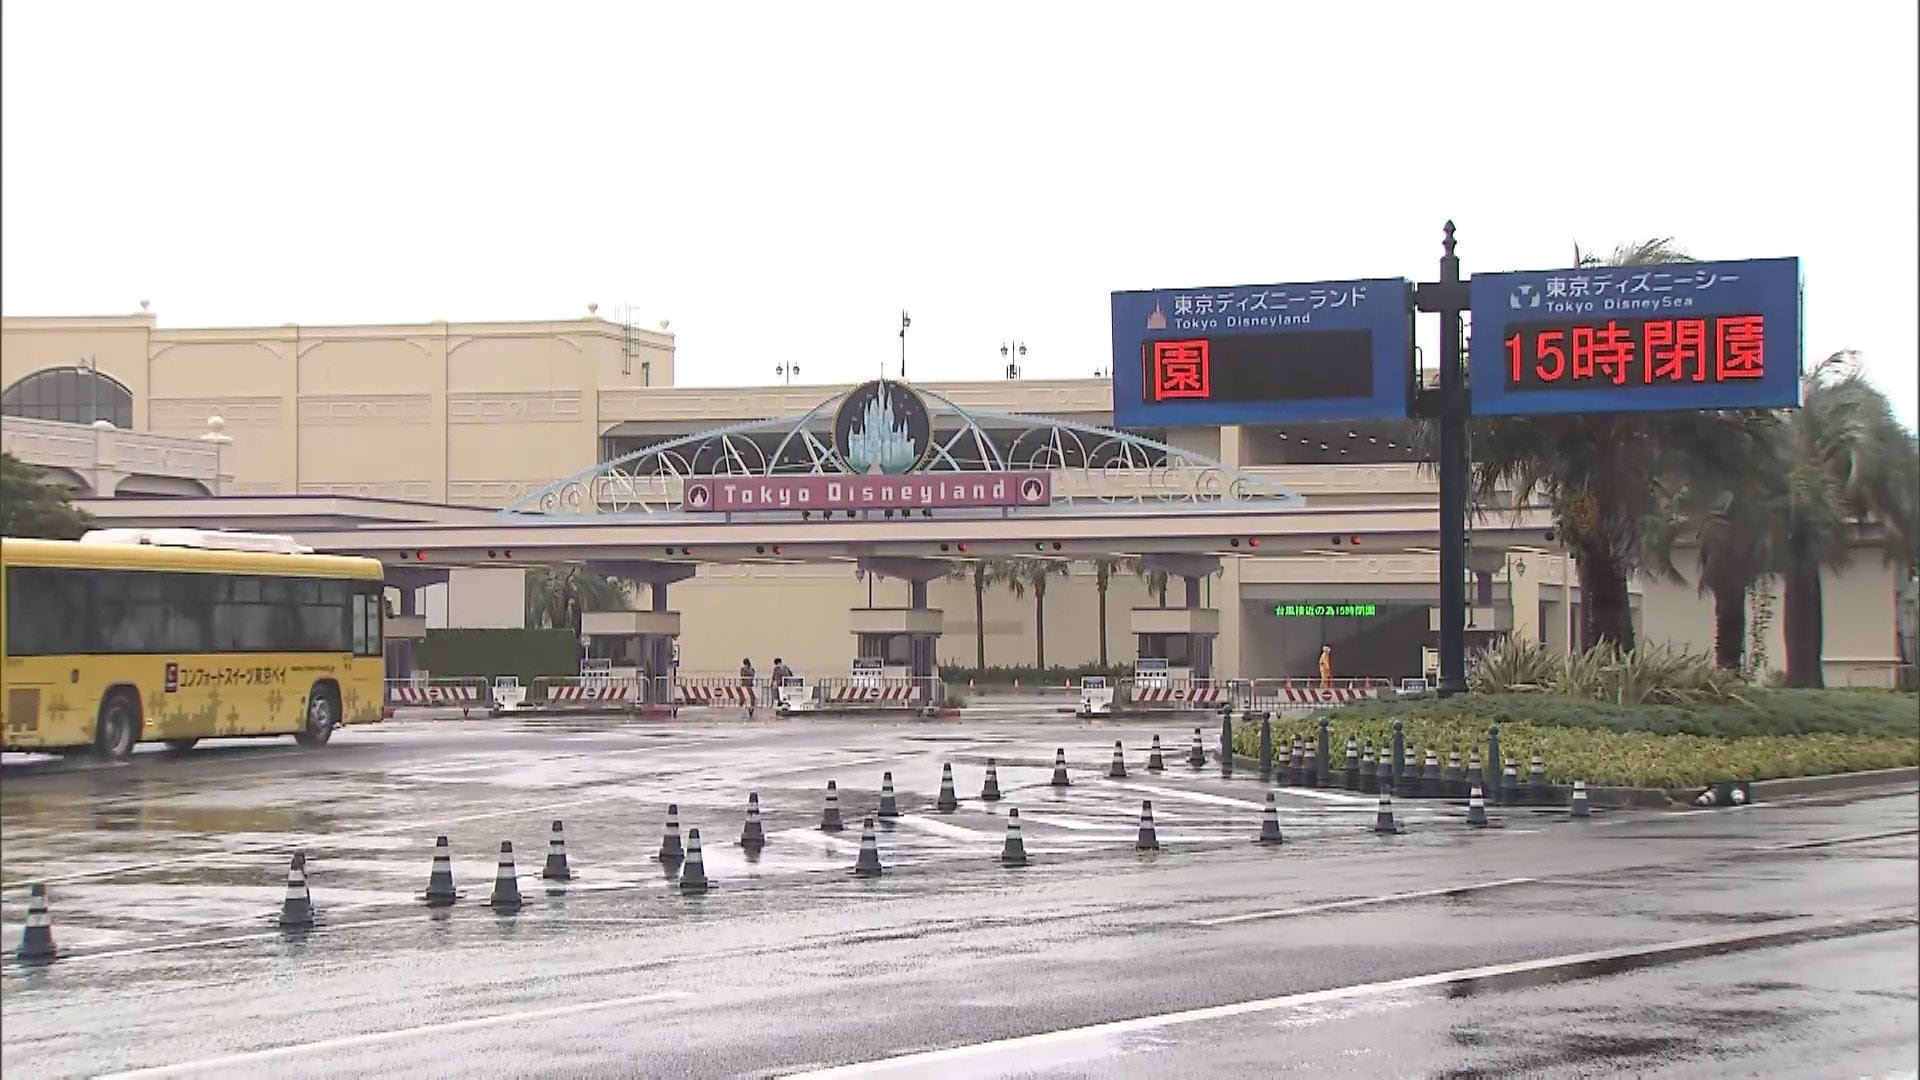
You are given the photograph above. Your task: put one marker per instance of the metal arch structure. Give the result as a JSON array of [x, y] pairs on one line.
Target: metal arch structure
[[1107, 468]]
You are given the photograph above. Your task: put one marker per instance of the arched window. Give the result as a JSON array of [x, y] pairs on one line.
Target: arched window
[[76, 395]]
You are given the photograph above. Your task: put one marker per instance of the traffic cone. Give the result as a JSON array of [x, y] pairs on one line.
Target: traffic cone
[[753, 836], [1119, 768], [1015, 851], [1509, 785], [948, 802], [506, 882], [556, 868], [889, 806], [1475, 778], [868, 864], [1310, 767], [1016, 682], [36, 942], [296, 911], [830, 817], [440, 891], [1149, 840], [1455, 776], [1197, 757], [1369, 775], [1382, 771], [990, 790], [693, 877], [670, 850], [1476, 808], [1290, 776], [1350, 778], [1383, 822], [969, 686], [1060, 768], [1578, 808], [1155, 763], [1270, 822], [1431, 784], [1537, 780]]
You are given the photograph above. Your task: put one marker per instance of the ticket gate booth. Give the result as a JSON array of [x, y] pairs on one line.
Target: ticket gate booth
[[1180, 641], [632, 645], [1096, 696]]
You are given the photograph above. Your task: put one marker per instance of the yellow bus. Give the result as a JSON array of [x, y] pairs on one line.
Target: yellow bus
[[177, 635]]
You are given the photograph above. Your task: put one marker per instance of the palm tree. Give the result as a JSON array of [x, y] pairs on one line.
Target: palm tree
[[982, 574], [558, 596], [1609, 478], [1853, 466], [1104, 567], [1156, 580], [1729, 511], [1030, 575]]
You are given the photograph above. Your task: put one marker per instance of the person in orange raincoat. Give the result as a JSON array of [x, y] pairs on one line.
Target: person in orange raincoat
[[1326, 667]]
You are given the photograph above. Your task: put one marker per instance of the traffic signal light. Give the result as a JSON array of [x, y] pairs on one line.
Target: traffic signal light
[[1251, 541]]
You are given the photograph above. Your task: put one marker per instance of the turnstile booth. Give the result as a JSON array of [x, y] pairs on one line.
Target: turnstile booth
[[1176, 641], [642, 645]]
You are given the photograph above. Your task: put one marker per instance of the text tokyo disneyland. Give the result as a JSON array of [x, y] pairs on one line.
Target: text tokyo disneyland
[[871, 492]]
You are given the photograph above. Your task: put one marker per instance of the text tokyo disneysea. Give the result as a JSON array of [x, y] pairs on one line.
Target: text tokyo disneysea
[[727, 494]]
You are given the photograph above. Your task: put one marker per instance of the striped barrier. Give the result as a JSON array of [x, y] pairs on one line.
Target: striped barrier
[[1178, 694], [722, 694], [462, 694], [603, 693], [1302, 695], [842, 694]]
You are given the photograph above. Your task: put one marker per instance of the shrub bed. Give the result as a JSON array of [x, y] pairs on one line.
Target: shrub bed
[[1612, 756], [1754, 712]]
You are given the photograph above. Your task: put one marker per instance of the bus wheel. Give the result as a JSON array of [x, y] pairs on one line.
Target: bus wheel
[[118, 727], [323, 712], [181, 746]]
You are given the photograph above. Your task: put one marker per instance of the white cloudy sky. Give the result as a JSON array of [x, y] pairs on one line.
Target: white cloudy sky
[[780, 180]]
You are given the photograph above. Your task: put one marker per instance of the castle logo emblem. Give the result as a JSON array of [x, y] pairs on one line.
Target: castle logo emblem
[[883, 427]]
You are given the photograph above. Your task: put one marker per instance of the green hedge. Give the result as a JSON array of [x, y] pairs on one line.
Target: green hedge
[[1028, 675], [529, 654], [1756, 712]]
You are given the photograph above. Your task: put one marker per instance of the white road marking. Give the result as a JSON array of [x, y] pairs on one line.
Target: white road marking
[[1182, 795], [1364, 901], [941, 828], [373, 1038], [927, 1063], [1855, 838]]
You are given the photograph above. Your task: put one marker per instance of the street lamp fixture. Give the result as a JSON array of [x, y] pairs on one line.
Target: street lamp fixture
[[1012, 352], [786, 372]]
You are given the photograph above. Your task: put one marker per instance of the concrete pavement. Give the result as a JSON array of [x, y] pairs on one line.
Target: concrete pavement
[[164, 872]]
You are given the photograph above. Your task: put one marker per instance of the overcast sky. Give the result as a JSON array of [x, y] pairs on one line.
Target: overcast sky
[[780, 180]]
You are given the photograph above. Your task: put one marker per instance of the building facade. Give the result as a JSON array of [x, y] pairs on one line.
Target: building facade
[[485, 414]]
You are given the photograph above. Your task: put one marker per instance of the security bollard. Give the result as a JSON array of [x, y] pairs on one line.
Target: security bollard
[[1266, 747], [1399, 749], [1226, 743]]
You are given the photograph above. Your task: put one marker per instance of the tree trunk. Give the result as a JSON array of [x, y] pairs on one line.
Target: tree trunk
[[1801, 613], [1040, 629], [1103, 626], [1729, 627], [1606, 613], [979, 626]]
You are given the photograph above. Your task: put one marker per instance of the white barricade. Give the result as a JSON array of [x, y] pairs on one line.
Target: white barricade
[[464, 694], [508, 694], [794, 695], [1096, 696]]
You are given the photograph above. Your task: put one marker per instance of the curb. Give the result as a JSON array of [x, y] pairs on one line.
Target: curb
[[1809, 785]]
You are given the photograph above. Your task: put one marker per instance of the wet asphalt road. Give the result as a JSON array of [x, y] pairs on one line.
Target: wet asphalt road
[[1773, 940]]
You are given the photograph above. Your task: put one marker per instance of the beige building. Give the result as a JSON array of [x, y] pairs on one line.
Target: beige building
[[483, 414]]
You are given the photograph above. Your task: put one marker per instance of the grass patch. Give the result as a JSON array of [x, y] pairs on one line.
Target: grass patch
[[1754, 712], [1606, 746]]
